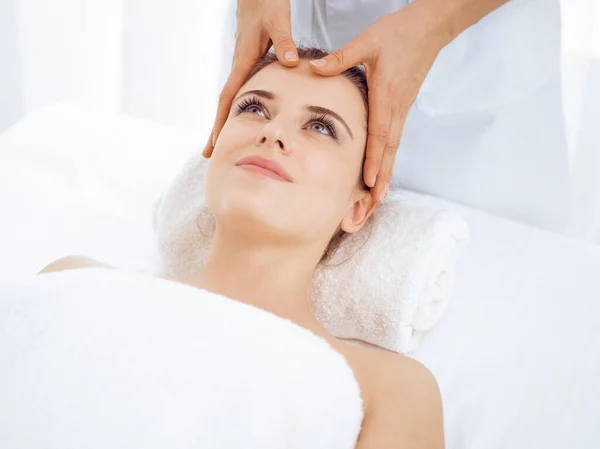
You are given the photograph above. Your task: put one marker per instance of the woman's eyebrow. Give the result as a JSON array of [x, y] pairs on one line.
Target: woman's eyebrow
[[335, 115], [259, 93]]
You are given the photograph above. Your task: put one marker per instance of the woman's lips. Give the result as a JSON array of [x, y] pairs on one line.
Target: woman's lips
[[262, 171], [265, 166]]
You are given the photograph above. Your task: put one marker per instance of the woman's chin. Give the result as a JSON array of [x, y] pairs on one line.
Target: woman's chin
[[245, 209]]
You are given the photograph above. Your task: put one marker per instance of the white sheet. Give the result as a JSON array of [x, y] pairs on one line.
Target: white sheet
[[77, 181], [517, 354]]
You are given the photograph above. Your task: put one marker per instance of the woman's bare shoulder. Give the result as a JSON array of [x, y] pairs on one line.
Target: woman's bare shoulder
[[386, 365], [381, 372], [72, 263], [403, 396], [393, 368], [75, 262]]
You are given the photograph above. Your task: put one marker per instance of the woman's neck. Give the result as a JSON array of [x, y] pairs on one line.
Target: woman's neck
[[274, 277]]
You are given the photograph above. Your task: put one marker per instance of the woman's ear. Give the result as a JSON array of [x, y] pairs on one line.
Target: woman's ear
[[358, 212]]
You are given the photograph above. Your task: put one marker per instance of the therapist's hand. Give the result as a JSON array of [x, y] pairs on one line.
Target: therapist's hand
[[397, 52], [260, 25]]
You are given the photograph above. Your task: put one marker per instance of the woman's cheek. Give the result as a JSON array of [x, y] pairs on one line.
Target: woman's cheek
[[226, 133], [326, 171], [234, 139]]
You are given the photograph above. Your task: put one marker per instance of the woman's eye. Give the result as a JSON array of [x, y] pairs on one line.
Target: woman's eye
[[321, 128], [323, 125], [252, 106], [254, 109]]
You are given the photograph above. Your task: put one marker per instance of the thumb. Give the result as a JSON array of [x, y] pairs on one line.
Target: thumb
[[284, 45], [339, 60]]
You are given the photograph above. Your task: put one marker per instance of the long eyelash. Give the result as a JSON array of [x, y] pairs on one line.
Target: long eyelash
[[249, 101], [327, 121], [324, 119]]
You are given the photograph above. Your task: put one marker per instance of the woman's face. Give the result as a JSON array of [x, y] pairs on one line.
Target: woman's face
[[312, 127]]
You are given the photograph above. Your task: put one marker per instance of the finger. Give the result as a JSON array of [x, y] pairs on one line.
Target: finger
[[377, 134], [342, 59], [386, 166], [225, 99], [208, 148], [240, 70], [283, 43]]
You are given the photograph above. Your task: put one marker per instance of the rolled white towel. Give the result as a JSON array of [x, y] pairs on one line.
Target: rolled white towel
[[395, 284]]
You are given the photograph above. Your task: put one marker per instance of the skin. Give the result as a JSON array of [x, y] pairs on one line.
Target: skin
[[270, 235], [398, 50]]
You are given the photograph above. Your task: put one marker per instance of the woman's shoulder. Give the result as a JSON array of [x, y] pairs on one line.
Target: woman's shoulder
[[74, 262], [380, 372], [386, 369], [401, 395], [396, 371], [71, 263]]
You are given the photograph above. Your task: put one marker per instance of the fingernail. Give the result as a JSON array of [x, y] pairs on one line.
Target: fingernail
[[319, 63], [291, 56], [373, 179], [384, 193]]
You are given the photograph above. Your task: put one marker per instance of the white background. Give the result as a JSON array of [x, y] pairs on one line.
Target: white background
[[150, 58]]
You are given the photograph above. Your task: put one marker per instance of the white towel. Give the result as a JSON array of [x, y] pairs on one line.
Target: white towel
[[97, 359], [395, 286]]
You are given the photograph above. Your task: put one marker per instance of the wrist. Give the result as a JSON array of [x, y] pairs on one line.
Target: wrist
[[430, 22], [444, 20]]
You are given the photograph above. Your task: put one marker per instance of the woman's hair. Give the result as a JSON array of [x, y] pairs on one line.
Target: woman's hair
[[358, 78]]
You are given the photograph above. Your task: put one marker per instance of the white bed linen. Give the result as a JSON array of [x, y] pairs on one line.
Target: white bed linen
[[78, 181], [517, 354]]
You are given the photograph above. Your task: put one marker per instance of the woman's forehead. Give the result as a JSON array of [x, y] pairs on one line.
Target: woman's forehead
[[301, 85]]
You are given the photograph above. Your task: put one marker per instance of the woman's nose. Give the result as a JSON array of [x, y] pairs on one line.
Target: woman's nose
[[273, 134]]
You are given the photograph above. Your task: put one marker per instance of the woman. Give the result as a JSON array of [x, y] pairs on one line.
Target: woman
[[285, 180]]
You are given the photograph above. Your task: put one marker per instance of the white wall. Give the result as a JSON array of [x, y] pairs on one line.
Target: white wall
[[10, 65], [155, 59], [581, 109], [171, 59]]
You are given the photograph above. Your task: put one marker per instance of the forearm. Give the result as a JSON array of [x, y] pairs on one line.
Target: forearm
[[446, 19]]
